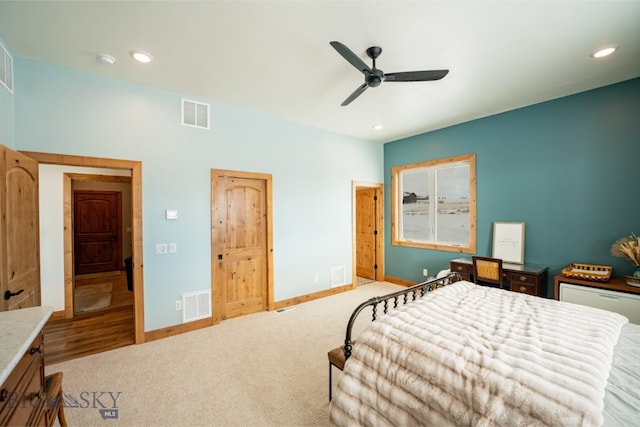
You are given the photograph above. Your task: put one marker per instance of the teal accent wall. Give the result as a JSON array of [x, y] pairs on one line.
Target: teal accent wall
[[7, 115], [568, 168], [63, 111]]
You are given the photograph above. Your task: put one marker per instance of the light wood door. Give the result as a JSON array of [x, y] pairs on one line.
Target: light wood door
[[19, 233], [240, 245], [97, 225], [366, 233]]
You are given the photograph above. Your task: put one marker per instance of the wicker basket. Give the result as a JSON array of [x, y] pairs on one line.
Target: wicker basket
[[600, 273]]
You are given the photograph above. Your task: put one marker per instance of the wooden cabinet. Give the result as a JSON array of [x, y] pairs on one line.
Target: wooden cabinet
[[22, 394], [22, 381], [19, 230], [527, 278]]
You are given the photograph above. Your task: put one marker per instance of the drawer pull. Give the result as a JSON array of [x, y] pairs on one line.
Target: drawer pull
[[35, 395], [523, 289], [9, 294], [35, 350], [459, 268], [4, 394], [523, 278]]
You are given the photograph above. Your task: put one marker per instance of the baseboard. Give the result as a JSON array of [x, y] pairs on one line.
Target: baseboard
[[57, 315], [157, 334], [400, 282], [310, 297]]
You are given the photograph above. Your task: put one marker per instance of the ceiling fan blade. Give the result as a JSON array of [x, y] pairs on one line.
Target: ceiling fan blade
[[351, 57], [415, 76], [356, 93]]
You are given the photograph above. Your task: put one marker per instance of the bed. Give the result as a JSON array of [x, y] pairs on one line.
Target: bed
[[450, 352]]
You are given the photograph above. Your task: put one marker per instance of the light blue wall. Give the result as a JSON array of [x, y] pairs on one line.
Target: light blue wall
[[569, 168], [7, 116], [63, 111]]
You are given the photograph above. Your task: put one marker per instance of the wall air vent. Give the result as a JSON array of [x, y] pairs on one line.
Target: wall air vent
[[6, 68], [196, 305], [195, 114], [338, 276]]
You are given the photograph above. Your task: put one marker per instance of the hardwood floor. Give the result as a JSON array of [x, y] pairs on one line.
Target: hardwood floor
[[92, 332]]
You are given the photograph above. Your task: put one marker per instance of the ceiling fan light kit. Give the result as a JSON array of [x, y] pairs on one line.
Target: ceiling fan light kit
[[373, 77]]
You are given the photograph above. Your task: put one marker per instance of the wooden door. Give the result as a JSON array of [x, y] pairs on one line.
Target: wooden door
[[366, 233], [19, 233], [239, 248], [97, 231]]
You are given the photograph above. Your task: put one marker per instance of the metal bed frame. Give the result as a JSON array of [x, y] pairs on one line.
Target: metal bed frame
[[338, 356]]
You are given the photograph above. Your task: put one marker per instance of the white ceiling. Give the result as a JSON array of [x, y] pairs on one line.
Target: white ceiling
[[274, 57]]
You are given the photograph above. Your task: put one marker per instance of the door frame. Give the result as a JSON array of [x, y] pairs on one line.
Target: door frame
[[216, 292], [136, 226], [379, 225]]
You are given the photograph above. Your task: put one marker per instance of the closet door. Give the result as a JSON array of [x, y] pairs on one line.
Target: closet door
[[19, 247]]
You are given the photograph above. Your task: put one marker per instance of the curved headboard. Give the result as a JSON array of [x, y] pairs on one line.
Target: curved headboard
[[401, 297]]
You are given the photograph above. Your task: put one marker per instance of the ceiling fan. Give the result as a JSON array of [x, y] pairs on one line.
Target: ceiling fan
[[374, 77]]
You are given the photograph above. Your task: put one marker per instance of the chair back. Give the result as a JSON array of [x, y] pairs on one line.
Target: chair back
[[487, 271]]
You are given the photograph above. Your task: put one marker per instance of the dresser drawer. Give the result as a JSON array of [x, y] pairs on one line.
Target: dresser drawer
[[465, 270], [524, 288], [525, 283]]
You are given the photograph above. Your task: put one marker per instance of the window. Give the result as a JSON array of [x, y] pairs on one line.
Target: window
[[434, 204]]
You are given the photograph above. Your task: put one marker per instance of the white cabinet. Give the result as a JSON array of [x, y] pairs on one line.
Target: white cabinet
[[620, 302]]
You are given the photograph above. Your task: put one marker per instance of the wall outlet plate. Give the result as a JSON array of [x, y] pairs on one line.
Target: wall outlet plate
[[425, 272]]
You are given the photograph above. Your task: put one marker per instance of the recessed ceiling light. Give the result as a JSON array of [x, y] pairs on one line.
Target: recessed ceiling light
[[378, 127], [106, 59], [141, 56], [605, 51]]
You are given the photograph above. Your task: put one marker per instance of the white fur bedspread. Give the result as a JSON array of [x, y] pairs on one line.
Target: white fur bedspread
[[472, 355]]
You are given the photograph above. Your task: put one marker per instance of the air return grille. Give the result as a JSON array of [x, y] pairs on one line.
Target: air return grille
[[6, 68], [196, 305], [195, 114], [337, 276]]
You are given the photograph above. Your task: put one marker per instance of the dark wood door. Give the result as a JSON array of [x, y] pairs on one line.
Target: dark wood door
[[366, 233], [19, 233], [97, 228], [240, 245]]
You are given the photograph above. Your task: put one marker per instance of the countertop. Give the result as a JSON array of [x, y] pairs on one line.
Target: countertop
[[18, 329]]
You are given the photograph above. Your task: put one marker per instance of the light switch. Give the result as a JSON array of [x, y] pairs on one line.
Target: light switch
[[161, 248], [171, 214]]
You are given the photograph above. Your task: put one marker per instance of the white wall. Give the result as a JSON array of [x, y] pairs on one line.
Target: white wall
[[67, 112]]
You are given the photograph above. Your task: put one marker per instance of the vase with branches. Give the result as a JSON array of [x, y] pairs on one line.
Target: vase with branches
[[629, 247]]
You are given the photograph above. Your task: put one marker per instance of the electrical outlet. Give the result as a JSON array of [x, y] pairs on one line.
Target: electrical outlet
[[178, 305], [316, 278], [425, 272], [173, 248]]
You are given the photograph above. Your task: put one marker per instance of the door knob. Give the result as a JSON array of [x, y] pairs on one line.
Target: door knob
[[9, 294]]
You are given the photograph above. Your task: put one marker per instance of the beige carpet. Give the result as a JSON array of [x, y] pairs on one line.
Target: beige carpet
[[92, 297], [264, 369]]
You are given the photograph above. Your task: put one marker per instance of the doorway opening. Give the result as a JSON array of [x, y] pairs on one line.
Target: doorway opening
[[134, 178], [368, 232], [100, 222]]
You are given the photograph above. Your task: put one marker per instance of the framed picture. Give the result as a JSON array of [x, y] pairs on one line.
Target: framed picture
[[508, 242]]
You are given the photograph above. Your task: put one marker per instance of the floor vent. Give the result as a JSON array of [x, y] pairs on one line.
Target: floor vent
[[338, 276], [6, 68], [195, 114], [196, 305]]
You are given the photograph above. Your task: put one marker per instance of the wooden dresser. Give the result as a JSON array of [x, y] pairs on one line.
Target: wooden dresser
[[525, 278], [22, 388]]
